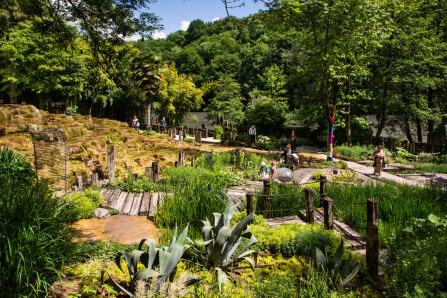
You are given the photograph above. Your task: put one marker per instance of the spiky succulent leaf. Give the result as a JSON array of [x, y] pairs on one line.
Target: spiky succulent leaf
[[320, 257], [348, 278], [152, 251], [221, 240], [174, 238], [128, 261], [170, 261], [222, 277], [235, 237], [120, 286], [338, 257], [144, 274], [134, 258]]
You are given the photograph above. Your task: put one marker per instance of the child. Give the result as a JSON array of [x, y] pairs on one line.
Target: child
[[273, 169], [264, 171]]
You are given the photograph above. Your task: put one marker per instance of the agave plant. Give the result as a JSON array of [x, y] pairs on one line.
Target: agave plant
[[334, 267], [222, 241], [164, 258]]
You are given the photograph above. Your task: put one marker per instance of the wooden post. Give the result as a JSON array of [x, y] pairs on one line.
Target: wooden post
[[155, 171], [79, 183], [95, 178], [135, 176], [184, 133], [328, 206], [267, 197], [181, 158], [148, 172], [250, 204], [193, 161], [198, 136], [180, 134], [309, 205], [130, 171], [111, 162], [372, 238], [323, 192]]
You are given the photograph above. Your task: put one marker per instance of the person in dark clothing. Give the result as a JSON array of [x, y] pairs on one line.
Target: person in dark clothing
[[163, 125], [288, 162], [293, 140]]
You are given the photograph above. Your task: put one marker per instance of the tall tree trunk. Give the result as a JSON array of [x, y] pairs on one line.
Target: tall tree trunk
[[13, 88], [148, 110], [383, 110], [348, 111], [408, 130], [419, 129], [430, 122]]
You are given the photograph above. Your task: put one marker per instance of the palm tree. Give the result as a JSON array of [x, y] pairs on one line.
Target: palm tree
[[145, 74]]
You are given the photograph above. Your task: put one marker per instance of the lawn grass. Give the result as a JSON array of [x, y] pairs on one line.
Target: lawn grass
[[431, 168]]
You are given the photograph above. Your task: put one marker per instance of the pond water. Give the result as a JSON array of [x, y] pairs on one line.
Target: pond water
[[122, 228]]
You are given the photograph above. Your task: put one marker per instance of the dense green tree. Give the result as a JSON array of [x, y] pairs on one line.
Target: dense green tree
[[227, 100], [177, 95]]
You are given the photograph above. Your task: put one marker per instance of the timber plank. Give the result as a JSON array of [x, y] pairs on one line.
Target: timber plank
[[114, 198], [107, 195], [153, 206], [103, 191], [145, 204], [135, 209], [120, 202], [127, 204], [237, 201]]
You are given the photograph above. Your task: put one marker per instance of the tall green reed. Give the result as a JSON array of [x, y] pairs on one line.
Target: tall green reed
[[398, 204], [34, 240]]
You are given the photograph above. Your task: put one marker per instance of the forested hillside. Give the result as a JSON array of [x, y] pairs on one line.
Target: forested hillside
[[293, 63]]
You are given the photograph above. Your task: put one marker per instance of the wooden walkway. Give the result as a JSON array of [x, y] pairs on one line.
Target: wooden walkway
[[140, 204]]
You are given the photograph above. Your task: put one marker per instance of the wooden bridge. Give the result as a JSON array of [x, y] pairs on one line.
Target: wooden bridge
[[140, 204]]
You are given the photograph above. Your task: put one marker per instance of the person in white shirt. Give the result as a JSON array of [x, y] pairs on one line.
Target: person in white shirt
[[252, 134]]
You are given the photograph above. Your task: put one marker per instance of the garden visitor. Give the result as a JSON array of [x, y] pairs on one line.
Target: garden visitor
[[137, 125], [288, 162], [264, 171], [293, 140], [252, 134], [379, 160], [163, 125], [273, 169], [283, 141], [134, 122]]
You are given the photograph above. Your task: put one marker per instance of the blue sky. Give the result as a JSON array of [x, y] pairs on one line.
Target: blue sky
[[177, 14]]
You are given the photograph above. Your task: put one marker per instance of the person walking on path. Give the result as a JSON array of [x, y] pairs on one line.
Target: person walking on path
[[293, 140], [288, 162], [134, 122], [163, 125], [379, 160], [252, 134]]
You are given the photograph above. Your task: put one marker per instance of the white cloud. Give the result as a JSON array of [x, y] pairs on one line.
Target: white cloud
[[158, 34], [184, 25], [134, 37], [216, 19]]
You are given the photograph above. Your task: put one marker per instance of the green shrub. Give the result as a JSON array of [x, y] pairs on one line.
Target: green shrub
[[218, 131], [14, 168], [81, 204], [188, 140], [354, 153], [136, 186], [35, 241], [287, 239], [417, 259], [431, 168]]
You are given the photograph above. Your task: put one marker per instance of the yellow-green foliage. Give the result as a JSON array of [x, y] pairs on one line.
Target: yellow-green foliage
[[283, 238], [82, 204], [90, 275]]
